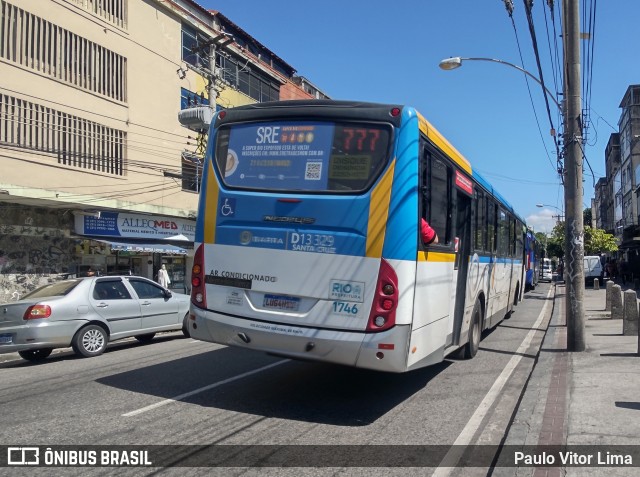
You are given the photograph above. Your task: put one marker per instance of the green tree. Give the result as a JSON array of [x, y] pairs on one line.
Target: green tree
[[586, 217], [541, 237], [543, 241], [555, 244], [597, 241]]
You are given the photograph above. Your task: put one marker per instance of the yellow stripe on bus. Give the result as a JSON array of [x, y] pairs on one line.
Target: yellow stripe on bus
[[436, 257], [211, 206], [438, 139], [379, 212]]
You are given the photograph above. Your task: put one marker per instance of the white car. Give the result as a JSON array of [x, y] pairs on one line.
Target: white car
[[546, 272], [593, 268], [87, 313]]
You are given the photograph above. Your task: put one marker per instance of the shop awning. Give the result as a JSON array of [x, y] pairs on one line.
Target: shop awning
[[144, 247]]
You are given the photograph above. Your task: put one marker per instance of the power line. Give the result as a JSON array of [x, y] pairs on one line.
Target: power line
[[509, 7], [534, 41]]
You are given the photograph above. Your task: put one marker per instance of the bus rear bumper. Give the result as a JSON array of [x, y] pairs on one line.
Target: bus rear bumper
[[385, 351]]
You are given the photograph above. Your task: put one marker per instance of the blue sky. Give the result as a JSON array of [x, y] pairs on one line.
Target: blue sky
[[381, 51]]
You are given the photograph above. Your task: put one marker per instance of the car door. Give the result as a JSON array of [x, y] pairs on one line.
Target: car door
[[157, 307], [114, 303]]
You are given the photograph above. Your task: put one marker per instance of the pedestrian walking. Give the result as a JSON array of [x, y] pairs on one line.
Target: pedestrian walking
[[163, 277]]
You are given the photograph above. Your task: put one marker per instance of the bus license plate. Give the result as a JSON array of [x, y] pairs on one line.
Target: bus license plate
[[281, 302], [6, 339]]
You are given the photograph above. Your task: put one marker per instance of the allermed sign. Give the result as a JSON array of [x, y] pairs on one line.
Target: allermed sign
[[115, 224]]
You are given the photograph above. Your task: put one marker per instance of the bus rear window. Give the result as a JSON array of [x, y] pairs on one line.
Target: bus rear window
[[302, 156]]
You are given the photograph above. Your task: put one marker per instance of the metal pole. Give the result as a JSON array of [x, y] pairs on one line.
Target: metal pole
[[574, 227]]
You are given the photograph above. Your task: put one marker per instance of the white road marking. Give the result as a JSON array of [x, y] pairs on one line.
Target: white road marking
[[205, 388], [465, 437]]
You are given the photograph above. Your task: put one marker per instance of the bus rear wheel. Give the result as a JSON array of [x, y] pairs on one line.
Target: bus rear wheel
[[475, 331]]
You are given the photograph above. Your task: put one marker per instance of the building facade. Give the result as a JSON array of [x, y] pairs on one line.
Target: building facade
[[629, 126], [612, 196], [97, 170]]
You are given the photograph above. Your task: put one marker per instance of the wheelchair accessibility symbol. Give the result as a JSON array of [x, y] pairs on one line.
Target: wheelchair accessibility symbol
[[228, 208]]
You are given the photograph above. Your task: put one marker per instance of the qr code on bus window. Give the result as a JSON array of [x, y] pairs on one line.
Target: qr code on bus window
[[313, 171]]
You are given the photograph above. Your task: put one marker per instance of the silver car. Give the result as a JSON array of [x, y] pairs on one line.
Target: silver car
[[87, 313]]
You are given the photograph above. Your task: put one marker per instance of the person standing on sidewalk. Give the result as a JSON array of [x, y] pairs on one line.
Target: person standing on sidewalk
[[624, 271], [560, 270], [163, 277]]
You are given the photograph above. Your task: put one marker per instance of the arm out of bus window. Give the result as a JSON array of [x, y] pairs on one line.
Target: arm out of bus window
[[429, 236]]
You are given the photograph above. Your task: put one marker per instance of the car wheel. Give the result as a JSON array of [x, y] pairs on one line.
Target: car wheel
[[35, 354], [475, 332], [185, 326], [90, 341], [145, 338]]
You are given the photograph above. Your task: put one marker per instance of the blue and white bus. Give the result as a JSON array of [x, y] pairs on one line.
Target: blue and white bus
[[308, 243], [532, 260]]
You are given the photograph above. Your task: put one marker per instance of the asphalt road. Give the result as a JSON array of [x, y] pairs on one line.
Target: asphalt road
[[176, 391]]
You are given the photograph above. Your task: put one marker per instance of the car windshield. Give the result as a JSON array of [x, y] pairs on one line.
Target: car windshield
[[54, 289]]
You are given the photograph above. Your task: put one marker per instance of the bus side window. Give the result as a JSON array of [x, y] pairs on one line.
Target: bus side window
[[491, 226], [440, 199], [479, 220]]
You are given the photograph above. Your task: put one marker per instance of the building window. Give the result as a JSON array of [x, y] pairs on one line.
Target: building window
[[192, 51], [75, 141], [189, 99], [52, 51], [252, 83], [113, 11], [257, 86]]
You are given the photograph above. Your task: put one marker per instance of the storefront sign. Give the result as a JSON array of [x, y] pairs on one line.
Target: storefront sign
[[116, 224]]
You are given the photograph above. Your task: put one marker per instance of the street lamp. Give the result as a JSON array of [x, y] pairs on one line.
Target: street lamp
[[561, 216], [456, 62]]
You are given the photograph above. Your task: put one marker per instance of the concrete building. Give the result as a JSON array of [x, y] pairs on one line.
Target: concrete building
[[612, 186], [629, 126], [599, 204], [97, 171]]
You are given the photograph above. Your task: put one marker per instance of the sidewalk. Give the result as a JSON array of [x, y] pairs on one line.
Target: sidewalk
[[589, 398]]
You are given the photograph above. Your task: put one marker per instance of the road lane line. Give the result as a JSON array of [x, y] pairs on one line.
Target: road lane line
[[465, 437], [205, 388]]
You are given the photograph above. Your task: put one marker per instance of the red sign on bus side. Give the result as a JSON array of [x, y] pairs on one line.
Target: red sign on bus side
[[464, 183]]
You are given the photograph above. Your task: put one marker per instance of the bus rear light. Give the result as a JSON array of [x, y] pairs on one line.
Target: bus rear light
[[198, 293], [222, 114], [385, 302], [395, 112], [35, 312]]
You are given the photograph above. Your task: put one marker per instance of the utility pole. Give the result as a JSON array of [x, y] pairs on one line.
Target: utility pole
[[213, 93], [574, 227], [217, 43]]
